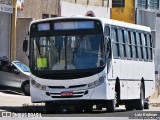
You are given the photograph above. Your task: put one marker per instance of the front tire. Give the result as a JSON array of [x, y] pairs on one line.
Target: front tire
[[26, 88], [111, 105], [78, 109], [88, 108], [51, 107]]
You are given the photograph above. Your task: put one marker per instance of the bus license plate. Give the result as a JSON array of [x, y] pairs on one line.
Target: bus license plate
[[67, 93]]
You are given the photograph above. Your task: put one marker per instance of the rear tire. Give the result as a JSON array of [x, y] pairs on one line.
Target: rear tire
[[140, 102], [130, 105], [146, 105]]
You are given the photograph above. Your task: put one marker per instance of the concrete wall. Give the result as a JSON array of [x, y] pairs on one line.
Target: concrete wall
[[35, 8], [157, 44], [147, 18], [90, 2], [21, 31], [126, 14], [70, 9], [157, 56], [5, 30]]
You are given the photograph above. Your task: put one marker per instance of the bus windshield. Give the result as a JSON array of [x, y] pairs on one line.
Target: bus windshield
[[68, 52], [66, 47]]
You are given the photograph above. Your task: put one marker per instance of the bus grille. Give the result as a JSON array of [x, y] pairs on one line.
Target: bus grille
[[73, 86], [79, 93]]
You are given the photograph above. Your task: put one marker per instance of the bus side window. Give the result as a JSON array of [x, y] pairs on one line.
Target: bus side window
[[115, 43], [107, 31], [151, 42], [121, 44], [107, 35], [127, 44], [144, 46], [109, 49], [133, 42], [139, 46], [149, 47]]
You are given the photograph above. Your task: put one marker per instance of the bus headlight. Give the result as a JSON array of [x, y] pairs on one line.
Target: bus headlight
[[97, 82], [33, 82], [43, 87], [90, 85], [38, 85]]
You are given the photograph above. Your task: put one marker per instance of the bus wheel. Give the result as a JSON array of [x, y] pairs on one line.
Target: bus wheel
[[88, 108], [78, 108], [129, 105], [51, 107], [99, 107], [146, 105], [140, 102], [111, 105]]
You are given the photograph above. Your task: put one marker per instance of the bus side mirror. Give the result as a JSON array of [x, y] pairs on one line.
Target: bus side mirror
[[25, 46]]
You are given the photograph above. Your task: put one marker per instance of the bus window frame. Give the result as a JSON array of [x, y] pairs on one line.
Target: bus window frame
[[132, 34]]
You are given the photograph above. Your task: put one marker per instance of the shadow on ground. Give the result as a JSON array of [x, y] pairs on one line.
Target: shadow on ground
[[42, 110], [11, 90]]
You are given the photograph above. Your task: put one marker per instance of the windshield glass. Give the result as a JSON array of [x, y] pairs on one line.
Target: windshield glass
[[22, 66], [72, 52]]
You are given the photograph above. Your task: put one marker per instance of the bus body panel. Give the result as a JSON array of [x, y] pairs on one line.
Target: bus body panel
[[101, 92], [149, 88], [97, 93], [116, 71], [130, 73]]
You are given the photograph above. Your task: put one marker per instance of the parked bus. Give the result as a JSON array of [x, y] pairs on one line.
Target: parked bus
[[86, 62]]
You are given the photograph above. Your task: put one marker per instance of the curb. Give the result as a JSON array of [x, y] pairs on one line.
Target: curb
[[155, 104]]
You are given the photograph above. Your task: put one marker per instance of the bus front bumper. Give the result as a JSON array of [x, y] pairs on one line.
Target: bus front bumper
[[97, 93]]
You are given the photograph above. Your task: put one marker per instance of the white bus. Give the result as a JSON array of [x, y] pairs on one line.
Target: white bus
[[84, 61]]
